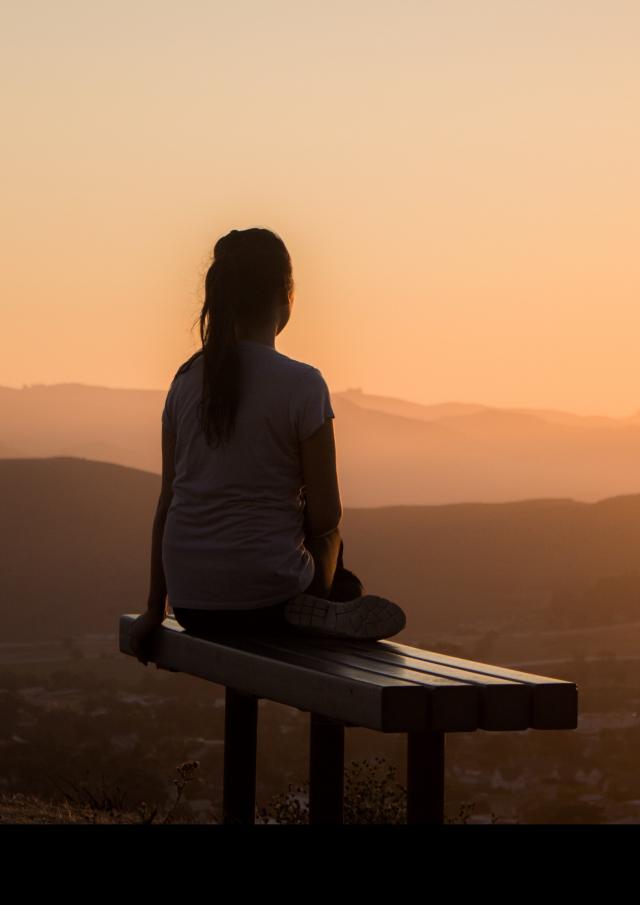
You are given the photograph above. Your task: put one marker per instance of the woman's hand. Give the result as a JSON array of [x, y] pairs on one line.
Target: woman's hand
[[140, 632]]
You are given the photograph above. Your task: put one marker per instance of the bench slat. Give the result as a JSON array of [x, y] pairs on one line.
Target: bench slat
[[488, 669]]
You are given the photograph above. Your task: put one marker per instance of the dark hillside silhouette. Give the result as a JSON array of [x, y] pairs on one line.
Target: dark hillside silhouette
[[75, 542]]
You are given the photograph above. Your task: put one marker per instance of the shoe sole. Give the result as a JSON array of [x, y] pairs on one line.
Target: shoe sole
[[369, 617]]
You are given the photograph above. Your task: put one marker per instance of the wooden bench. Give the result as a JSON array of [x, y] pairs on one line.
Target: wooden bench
[[379, 685]]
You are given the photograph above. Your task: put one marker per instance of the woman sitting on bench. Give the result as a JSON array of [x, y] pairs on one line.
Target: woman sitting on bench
[[246, 535]]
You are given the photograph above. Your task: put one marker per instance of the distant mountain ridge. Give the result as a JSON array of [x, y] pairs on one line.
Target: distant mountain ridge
[[437, 411], [394, 406], [390, 451]]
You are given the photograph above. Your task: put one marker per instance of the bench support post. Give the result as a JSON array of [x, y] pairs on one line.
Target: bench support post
[[240, 741], [326, 770], [425, 776]]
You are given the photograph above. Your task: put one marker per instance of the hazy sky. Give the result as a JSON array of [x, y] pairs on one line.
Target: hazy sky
[[457, 183]]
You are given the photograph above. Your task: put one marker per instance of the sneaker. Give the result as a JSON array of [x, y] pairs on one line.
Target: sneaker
[[368, 617]]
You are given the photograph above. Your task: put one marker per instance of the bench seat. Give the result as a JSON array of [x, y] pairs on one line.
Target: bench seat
[[380, 685]]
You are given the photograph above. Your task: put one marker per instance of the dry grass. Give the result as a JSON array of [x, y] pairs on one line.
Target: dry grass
[[98, 804], [371, 796]]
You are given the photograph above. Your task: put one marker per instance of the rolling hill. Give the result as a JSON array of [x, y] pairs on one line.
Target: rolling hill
[[75, 542]]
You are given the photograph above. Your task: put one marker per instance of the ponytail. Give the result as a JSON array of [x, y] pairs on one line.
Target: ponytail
[[249, 268]]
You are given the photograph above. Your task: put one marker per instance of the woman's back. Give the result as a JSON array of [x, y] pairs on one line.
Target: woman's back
[[234, 534]]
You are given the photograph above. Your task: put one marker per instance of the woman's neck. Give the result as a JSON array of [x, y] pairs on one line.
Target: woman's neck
[[265, 335]]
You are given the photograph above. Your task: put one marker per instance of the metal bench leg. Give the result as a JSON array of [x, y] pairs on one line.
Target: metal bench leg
[[240, 740], [326, 770], [425, 777]]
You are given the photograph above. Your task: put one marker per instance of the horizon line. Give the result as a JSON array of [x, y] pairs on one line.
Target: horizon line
[[350, 389]]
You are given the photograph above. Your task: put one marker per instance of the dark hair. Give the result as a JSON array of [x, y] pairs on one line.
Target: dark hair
[[251, 268]]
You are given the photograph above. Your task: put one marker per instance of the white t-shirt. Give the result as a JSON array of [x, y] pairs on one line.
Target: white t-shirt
[[234, 533]]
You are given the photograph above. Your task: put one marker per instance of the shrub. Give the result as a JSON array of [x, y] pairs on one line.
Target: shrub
[[369, 798]]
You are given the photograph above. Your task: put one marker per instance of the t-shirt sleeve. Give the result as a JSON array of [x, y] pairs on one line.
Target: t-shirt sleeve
[[168, 419], [314, 405]]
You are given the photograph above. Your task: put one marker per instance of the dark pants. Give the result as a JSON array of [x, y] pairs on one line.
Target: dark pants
[[344, 586]]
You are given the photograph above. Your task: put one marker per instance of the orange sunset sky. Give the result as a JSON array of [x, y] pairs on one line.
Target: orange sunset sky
[[456, 181]]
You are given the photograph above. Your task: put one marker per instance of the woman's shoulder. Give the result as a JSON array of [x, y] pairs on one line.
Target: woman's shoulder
[[187, 364], [297, 368]]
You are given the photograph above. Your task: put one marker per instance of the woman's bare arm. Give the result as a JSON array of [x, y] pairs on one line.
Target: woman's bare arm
[[323, 511]]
